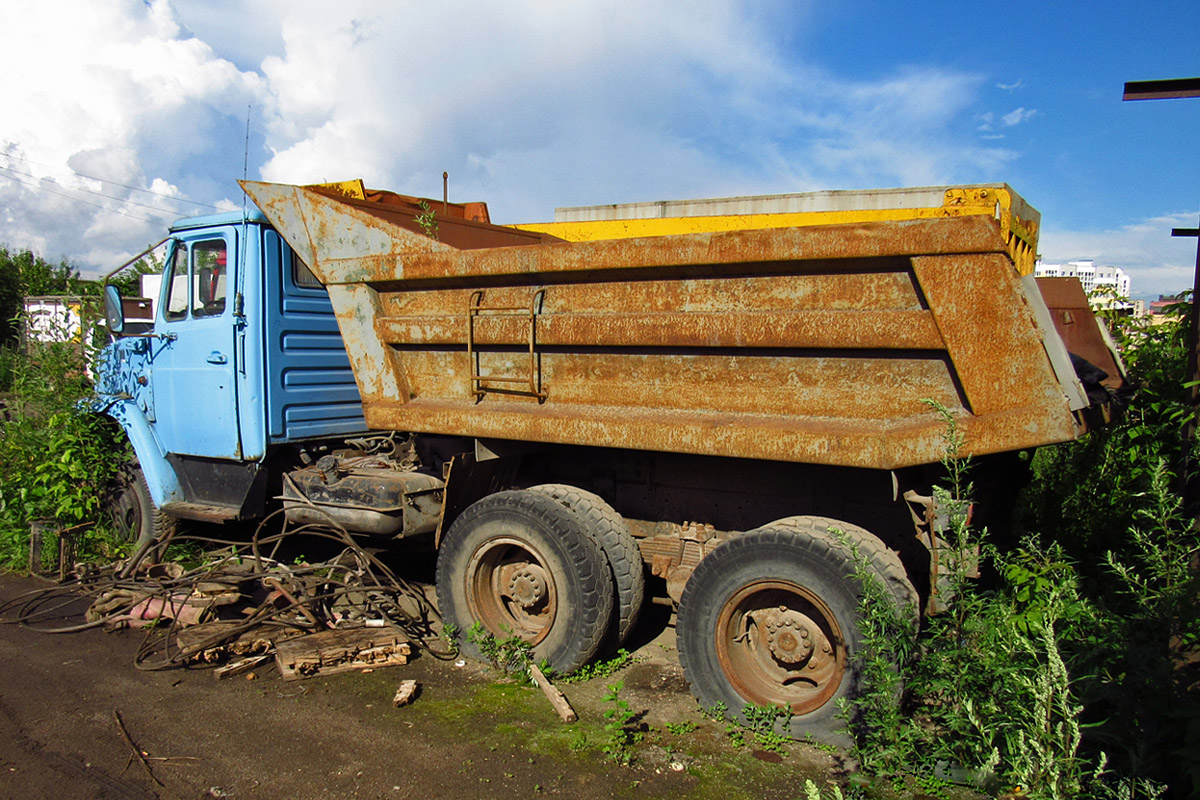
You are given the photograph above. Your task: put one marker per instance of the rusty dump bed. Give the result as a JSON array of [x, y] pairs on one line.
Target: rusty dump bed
[[812, 343]]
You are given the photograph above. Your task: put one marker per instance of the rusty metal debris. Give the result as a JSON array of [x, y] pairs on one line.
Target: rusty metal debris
[[242, 606]]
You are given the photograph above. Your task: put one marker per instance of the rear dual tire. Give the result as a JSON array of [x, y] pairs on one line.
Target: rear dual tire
[[523, 564], [771, 618], [620, 550]]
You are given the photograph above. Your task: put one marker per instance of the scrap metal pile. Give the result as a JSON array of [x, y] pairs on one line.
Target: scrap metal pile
[[241, 607]]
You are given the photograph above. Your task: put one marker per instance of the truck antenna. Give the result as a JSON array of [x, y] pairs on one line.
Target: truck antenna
[[239, 306], [246, 158]]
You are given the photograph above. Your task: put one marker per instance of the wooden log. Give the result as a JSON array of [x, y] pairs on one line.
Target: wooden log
[[557, 699], [330, 652]]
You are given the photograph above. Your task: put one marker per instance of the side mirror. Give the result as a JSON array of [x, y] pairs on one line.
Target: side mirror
[[114, 314]]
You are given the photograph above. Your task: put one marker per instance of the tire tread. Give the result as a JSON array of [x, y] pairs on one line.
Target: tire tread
[[620, 548], [583, 554]]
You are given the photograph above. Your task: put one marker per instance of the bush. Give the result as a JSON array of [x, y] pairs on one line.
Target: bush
[[55, 462], [1073, 675]]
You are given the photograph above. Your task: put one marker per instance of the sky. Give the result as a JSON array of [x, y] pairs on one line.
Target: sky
[[120, 116]]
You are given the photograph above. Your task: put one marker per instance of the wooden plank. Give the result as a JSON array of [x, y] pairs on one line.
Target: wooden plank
[[557, 699], [405, 693], [331, 652], [215, 640]]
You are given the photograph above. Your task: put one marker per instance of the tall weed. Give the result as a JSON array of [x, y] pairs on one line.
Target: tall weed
[[1075, 672], [991, 692], [1144, 689], [55, 462]]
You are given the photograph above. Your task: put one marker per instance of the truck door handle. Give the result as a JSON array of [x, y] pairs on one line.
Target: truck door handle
[[217, 358]]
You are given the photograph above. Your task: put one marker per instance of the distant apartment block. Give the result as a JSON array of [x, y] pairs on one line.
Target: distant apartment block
[[1091, 276]]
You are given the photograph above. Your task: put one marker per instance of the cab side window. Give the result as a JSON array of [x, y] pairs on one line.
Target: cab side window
[[302, 276], [176, 304], [209, 266], [197, 280]]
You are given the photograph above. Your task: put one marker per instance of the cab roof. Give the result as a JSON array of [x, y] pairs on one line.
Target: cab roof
[[224, 218]]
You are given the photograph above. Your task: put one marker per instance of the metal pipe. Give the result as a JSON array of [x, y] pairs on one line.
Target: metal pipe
[[135, 259]]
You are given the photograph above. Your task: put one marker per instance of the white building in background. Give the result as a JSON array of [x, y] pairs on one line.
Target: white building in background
[[54, 319], [1091, 276]]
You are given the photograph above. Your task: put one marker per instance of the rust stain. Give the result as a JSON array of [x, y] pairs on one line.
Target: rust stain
[[913, 330], [1076, 325], [814, 344]]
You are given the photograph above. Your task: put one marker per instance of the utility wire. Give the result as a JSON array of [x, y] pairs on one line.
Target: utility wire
[[114, 183], [40, 181], [89, 203]]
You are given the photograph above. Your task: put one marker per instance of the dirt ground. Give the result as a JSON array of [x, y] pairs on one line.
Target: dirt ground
[[468, 734]]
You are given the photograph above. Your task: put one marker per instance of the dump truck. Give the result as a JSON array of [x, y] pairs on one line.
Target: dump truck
[[724, 406]]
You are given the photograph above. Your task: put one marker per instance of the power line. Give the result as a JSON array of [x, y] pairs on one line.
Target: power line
[[87, 202], [125, 200], [114, 183]]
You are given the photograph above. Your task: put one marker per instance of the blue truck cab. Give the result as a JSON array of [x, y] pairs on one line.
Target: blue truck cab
[[243, 364]]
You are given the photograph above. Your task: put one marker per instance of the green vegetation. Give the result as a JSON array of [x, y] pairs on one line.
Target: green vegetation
[[55, 463], [1067, 671], [600, 669], [449, 637], [813, 792], [427, 220], [764, 723], [511, 654], [619, 732]]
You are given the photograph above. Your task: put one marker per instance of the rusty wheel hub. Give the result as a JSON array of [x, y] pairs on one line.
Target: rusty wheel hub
[[789, 637], [509, 589], [527, 586], [778, 644]]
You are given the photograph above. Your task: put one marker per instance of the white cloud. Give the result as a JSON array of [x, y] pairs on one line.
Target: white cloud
[[1017, 116], [109, 90], [1157, 262], [527, 105], [532, 106]]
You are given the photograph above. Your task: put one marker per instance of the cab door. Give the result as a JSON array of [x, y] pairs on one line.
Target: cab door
[[194, 369]]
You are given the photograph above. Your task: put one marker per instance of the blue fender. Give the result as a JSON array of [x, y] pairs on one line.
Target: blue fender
[[160, 475]]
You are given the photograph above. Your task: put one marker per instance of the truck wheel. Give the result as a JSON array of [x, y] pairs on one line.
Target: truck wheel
[[624, 557], [522, 564], [134, 516], [771, 618], [888, 568]]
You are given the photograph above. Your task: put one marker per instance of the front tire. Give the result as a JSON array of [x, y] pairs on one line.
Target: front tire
[[771, 618], [134, 516], [522, 564]]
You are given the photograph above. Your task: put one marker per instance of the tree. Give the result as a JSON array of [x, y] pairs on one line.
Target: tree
[[128, 280], [26, 274]]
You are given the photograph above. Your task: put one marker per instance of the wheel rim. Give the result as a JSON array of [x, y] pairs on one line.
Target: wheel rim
[[780, 645], [509, 589]]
